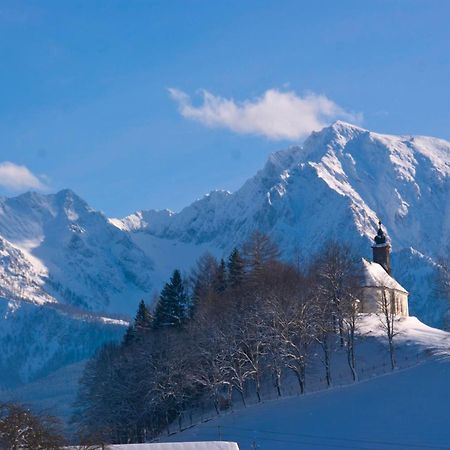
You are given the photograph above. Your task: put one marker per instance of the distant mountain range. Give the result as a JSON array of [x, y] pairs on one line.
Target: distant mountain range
[[68, 274]]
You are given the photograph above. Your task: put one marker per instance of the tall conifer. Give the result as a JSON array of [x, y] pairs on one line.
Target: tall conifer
[[235, 269], [220, 283], [144, 319], [172, 307]]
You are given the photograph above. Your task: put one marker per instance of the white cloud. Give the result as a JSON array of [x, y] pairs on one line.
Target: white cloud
[[18, 178], [276, 114]]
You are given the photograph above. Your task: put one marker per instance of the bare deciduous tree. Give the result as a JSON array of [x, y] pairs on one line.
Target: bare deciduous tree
[[22, 429], [250, 324], [386, 315]]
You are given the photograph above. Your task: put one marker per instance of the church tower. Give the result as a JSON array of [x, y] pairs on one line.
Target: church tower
[[382, 250]]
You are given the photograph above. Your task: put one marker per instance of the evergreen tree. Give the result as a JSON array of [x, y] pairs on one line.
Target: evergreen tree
[[142, 324], [221, 277], [172, 307], [235, 269], [144, 319]]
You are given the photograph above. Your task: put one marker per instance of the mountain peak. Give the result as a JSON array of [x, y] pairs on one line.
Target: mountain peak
[[340, 129], [66, 192], [341, 125], [67, 195]]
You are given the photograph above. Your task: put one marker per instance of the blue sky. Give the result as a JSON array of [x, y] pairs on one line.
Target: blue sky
[[85, 100]]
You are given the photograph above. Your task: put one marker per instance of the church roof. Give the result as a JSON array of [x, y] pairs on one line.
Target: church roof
[[374, 275]]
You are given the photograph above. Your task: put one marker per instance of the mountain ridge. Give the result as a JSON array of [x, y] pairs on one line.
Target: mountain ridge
[[337, 185], [334, 156], [57, 250]]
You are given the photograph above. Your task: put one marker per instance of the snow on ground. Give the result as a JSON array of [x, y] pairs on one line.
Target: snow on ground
[[179, 446], [411, 333], [408, 408]]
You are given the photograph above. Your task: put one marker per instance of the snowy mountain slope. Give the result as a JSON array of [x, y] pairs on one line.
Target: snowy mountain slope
[[83, 260], [369, 174], [38, 339], [19, 277], [65, 273], [336, 185]]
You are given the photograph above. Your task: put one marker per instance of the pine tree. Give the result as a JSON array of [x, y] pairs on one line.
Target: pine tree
[[142, 324], [221, 277], [144, 320], [235, 269], [172, 307]]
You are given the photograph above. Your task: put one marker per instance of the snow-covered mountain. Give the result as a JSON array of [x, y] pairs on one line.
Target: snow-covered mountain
[[60, 259], [81, 258], [336, 185], [64, 272]]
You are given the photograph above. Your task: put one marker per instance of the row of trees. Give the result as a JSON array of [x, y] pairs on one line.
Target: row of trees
[[231, 330]]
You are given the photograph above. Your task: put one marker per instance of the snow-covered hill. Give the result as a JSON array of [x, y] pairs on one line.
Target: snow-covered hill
[[336, 185], [407, 408], [64, 264]]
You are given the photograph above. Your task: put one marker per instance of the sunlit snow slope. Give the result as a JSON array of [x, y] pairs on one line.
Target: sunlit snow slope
[[65, 273], [405, 409]]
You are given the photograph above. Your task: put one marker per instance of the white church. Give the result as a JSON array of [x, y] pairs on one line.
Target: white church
[[378, 282]]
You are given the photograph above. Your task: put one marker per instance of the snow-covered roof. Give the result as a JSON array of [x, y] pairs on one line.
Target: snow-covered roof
[[374, 275]]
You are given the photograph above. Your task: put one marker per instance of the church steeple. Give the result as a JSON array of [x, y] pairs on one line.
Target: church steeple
[[382, 250]]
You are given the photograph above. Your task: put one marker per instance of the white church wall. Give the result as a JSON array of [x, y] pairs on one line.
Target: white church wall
[[372, 298]]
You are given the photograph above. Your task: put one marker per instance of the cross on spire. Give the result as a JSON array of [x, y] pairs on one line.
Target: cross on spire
[[380, 238]]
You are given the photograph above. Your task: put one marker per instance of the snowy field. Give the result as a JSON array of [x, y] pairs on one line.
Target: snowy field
[[179, 446], [409, 408]]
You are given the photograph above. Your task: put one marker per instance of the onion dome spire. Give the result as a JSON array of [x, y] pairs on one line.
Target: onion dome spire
[[380, 238], [381, 249]]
